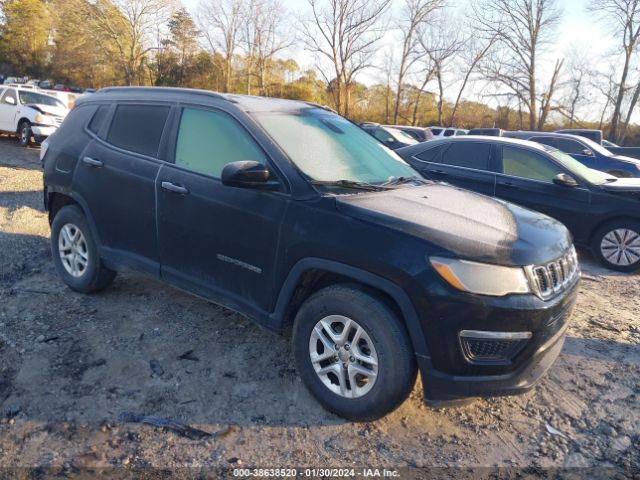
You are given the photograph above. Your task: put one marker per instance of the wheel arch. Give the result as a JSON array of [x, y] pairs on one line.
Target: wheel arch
[[618, 218], [311, 274], [22, 119]]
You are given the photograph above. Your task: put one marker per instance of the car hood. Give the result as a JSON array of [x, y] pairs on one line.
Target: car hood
[[469, 225], [623, 185], [49, 110], [627, 159]]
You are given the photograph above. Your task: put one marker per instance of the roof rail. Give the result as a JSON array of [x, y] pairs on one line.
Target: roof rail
[[192, 91]]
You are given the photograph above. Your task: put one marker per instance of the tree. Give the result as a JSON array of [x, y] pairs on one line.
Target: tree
[[181, 45], [522, 29], [24, 37], [220, 22], [344, 33], [416, 16], [623, 17]]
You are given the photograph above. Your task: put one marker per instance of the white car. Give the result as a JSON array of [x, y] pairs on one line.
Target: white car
[[447, 132], [30, 114]]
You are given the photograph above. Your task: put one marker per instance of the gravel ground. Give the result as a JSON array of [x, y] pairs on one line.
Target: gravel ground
[[78, 372]]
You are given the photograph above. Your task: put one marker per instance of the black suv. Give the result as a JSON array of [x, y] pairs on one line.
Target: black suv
[[600, 210], [298, 219]]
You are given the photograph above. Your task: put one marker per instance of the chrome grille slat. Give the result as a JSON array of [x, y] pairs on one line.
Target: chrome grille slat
[[553, 277]]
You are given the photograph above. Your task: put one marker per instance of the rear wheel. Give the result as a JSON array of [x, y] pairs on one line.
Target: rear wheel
[[353, 353], [617, 245], [25, 134], [75, 253]]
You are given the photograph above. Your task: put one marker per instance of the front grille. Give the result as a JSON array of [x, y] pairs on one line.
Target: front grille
[[479, 347], [554, 277]]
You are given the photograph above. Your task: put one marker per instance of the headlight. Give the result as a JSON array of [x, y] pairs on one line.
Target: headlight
[[481, 278], [44, 119]]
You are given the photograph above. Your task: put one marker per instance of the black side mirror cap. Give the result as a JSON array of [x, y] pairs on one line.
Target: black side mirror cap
[[248, 174], [565, 180]]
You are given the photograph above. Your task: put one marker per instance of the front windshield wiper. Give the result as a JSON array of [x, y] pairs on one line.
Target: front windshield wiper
[[403, 180], [370, 187]]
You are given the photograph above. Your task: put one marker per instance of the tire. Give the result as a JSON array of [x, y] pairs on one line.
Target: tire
[[25, 134], [607, 240], [395, 373], [81, 269]]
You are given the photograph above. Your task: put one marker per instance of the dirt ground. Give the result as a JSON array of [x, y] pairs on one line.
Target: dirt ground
[[77, 373]]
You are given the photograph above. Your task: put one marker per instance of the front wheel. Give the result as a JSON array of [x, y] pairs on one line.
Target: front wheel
[[353, 353], [617, 245], [25, 134]]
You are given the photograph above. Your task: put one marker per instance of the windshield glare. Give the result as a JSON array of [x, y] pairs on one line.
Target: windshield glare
[[401, 136], [31, 97], [327, 147], [574, 166]]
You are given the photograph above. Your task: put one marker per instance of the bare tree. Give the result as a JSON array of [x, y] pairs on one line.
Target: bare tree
[[522, 28], [415, 17], [220, 22], [623, 16], [264, 36], [344, 33], [440, 44], [130, 26]]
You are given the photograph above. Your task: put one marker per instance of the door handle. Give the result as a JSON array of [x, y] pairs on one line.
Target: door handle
[[507, 184], [92, 162], [438, 172], [172, 187]]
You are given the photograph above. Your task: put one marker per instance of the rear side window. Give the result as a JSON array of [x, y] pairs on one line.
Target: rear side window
[[436, 131], [522, 163], [138, 128], [430, 155], [449, 133], [460, 132], [99, 118], [468, 155], [209, 140]]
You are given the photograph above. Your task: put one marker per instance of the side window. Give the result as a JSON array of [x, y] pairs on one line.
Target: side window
[[209, 140], [99, 118], [552, 142], [518, 162], [460, 132], [449, 133], [138, 128], [430, 155], [10, 93], [382, 135], [570, 146], [436, 131], [468, 154]]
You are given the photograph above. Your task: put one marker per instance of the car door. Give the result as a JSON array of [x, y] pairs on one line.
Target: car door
[[219, 241], [465, 164], [525, 177], [116, 176], [8, 110]]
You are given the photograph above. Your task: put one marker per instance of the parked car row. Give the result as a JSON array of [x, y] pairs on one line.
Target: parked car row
[[299, 219]]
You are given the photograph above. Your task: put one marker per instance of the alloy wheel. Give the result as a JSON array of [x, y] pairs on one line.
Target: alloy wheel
[[343, 356], [73, 250], [621, 247]]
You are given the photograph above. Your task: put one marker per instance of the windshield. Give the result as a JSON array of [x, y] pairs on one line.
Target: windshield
[[595, 147], [32, 97], [328, 148], [607, 143], [400, 136], [574, 166]]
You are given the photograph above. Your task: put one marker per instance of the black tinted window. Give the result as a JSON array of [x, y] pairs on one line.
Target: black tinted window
[[99, 118], [449, 133], [138, 128], [468, 154], [431, 154], [571, 147], [436, 131], [545, 141]]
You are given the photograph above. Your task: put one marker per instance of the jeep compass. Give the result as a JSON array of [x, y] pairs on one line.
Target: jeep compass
[[297, 218]]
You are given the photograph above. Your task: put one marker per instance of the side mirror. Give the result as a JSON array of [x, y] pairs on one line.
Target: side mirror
[[587, 152], [565, 180], [10, 100], [247, 174]]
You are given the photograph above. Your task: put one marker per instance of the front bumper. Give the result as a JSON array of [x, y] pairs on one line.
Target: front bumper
[[42, 131], [448, 375]]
